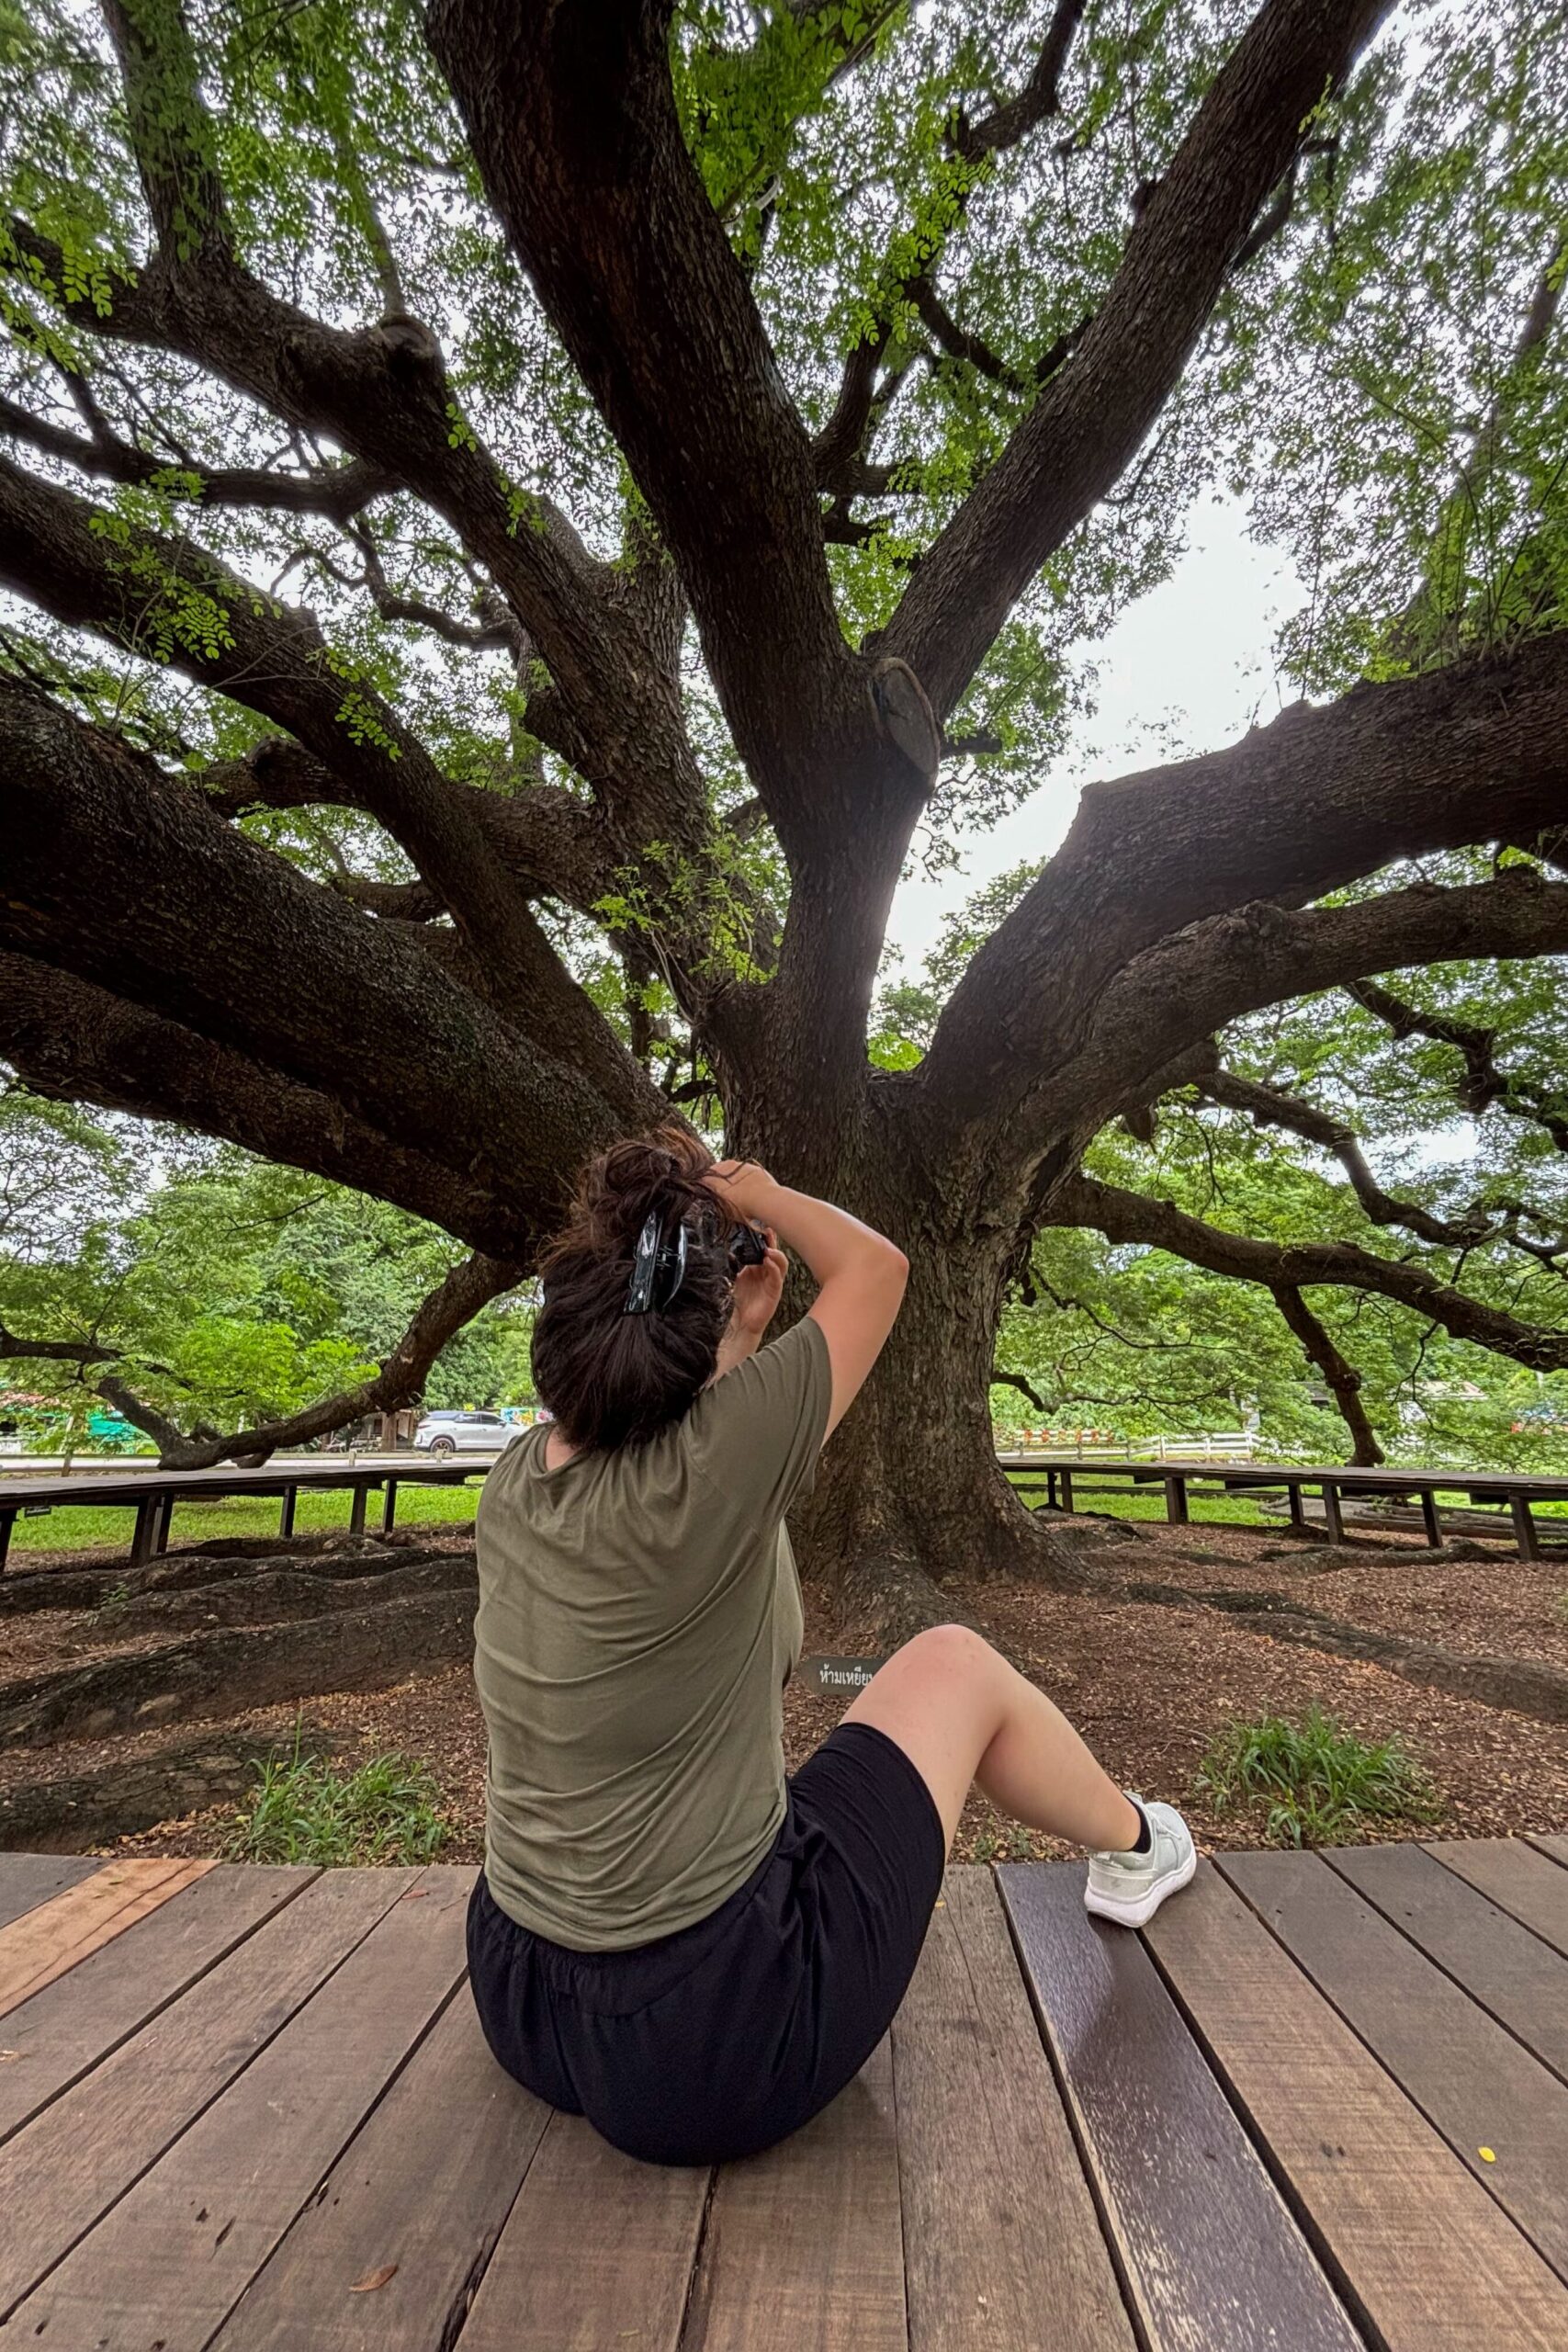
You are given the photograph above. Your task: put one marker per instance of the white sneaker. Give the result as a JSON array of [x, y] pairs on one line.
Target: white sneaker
[[1130, 1887]]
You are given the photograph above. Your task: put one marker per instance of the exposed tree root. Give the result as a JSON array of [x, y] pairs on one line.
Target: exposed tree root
[[242, 1668], [55, 1815], [903, 1596], [902, 1599], [274, 1596], [375, 1561], [1065, 1551], [899, 1600], [1518, 1685], [332, 1554], [54, 1589]]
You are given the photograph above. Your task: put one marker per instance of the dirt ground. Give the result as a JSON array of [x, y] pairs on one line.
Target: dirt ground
[[1148, 1685]]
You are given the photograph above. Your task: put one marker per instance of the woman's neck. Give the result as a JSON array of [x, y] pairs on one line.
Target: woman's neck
[[556, 1451], [733, 1349]]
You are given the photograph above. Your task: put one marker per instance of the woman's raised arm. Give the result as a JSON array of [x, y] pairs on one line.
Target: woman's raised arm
[[859, 1273]]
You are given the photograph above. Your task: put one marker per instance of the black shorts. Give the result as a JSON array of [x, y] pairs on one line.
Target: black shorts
[[716, 2041]]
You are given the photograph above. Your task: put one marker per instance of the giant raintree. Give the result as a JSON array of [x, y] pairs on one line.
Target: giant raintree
[[526, 519]]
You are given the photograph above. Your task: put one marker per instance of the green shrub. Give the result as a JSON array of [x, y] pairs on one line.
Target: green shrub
[[302, 1811], [1320, 1779]]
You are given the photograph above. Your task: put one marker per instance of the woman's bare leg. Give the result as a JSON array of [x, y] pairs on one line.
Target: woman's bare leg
[[962, 1713]]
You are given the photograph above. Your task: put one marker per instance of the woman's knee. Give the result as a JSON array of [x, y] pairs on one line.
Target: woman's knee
[[952, 1652], [949, 1674], [941, 1698]]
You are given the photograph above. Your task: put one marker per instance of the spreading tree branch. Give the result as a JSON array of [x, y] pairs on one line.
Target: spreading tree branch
[[1092, 417], [81, 1353], [91, 1356], [838, 444], [384, 395], [552, 842], [1201, 978], [1000, 1379], [337, 491], [571, 116], [400, 1380], [1344, 1380], [1270, 1107], [1124, 1216], [166, 598], [839, 449], [165, 1433], [1482, 1084], [1317, 799], [1039, 98], [74, 1042], [454, 1302], [122, 876]]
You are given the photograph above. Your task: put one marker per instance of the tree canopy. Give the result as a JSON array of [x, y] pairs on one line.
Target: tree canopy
[[524, 521], [192, 1288]]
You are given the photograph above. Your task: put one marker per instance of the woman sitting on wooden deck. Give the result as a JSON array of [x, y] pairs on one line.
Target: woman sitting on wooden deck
[[669, 1936]]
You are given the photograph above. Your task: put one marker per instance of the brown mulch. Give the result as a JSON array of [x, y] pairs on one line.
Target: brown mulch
[[1147, 1685], [1497, 1605]]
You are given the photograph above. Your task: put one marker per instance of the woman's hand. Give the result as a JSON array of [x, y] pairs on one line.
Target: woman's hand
[[757, 1293], [745, 1189]]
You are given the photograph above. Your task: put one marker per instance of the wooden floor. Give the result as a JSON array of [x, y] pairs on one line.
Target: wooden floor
[[1322, 2103]]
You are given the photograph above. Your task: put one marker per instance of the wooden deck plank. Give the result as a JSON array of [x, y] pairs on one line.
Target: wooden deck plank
[[1466, 2074], [43, 1943], [27, 1880], [171, 2260], [80, 2018], [1427, 2254], [1515, 1977], [1208, 2250], [425, 2186], [68, 2166], [1002, 2245], [596, 2252], [804, 2250], [1528, 1885]]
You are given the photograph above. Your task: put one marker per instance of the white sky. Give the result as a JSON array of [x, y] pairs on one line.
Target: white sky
[[1188, 669]]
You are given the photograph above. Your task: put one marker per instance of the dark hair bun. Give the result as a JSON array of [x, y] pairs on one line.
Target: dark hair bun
[[620, 1189], [611, 1378]]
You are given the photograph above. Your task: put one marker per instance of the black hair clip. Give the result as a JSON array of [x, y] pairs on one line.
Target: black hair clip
[[652, 1261]]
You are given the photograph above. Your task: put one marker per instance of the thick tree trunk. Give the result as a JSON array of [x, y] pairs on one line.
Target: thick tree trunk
[[908, 1501]]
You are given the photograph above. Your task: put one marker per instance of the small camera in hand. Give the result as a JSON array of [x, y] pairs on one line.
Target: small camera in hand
[[748, 1246]]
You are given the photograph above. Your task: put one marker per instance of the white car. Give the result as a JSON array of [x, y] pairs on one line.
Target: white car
[[462, 1434]]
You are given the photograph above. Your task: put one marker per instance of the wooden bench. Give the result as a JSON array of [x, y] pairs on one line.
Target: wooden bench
[[1510, 1495], [151, 1494]]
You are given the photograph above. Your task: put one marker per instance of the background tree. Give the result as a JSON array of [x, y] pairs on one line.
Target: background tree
[[526, 519], [192, 1288]]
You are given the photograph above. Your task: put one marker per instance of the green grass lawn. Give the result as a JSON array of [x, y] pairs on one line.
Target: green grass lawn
[[1148, 1502], [74, 1527]]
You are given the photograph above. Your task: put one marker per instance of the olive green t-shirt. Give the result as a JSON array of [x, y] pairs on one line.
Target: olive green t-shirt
[[639, 1614]]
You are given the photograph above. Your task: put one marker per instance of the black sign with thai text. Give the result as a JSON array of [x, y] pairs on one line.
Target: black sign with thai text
[[837, 1677]]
